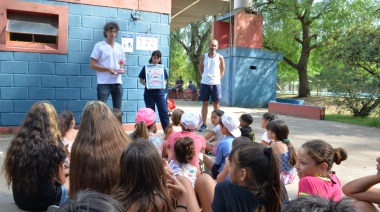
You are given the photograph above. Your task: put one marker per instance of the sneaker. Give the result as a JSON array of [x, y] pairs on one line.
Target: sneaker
[[202, 128]]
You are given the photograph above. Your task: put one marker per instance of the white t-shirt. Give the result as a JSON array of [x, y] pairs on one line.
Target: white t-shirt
[[211, 70], [265, 137], [108, 57], [218, 135]]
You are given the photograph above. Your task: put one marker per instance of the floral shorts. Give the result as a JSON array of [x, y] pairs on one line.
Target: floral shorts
[[287, 177]]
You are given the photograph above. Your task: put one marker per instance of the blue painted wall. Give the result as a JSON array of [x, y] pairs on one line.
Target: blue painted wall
[[66, 80], [251, 81]]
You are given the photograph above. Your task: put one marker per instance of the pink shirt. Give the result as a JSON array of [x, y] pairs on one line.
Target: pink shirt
[[199, 144], [323, 187]]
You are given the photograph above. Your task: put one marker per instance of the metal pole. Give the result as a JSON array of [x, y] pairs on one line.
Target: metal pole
[[231, 102]]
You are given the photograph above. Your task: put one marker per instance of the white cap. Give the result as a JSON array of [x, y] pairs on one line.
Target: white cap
[[232, 123], [191, 120]]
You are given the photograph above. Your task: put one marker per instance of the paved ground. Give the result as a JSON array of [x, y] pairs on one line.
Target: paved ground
[[360, 142]]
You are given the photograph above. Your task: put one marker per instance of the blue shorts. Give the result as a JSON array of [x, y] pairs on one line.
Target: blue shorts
[[205, 91]]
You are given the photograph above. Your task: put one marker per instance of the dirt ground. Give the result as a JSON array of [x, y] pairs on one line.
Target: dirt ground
[[326, 101]]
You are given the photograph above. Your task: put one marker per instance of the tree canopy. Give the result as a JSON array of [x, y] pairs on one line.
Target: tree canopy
[[194, 38], [298, 28]]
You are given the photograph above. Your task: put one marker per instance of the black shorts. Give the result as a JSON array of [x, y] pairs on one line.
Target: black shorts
[[205, 91]]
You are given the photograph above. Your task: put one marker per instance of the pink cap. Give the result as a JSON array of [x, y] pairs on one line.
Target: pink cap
[[146, 115]]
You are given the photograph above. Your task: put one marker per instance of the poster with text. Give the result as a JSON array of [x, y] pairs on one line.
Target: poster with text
[[155, 76], [127, 41], [146, 42]]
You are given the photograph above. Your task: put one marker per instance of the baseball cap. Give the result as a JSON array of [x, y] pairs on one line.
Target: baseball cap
[[146, 115], [232, 123], [191, 120]]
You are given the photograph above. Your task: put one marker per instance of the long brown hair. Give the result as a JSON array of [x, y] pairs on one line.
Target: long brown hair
[[96, 151], [281, 130], [142, 179], [263, 169], [35, 152]]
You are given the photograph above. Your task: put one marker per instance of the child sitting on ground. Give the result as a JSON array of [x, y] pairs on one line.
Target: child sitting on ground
[[214, 136], [245, 129], [229, 126], [145, 185], [172, 127], [314, 162], [184, 151], [267, 117], [278, 132], [251, 165], [363, 190], [66, 125], [118, 114], [146, 128], [189, 122], [34, 161]]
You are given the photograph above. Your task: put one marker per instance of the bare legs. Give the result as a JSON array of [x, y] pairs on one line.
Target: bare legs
[[216, 105], [204, 189], [209, 162], [204, 111], [191, 199]]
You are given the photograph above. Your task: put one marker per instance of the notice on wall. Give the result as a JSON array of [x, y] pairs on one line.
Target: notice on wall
[[127, 41], [146, 42]]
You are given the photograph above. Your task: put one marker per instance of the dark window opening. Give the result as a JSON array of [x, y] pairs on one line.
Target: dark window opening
[[252, 67], [33, 38], [32, 27]]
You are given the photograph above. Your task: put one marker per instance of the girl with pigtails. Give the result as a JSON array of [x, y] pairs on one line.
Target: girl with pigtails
[[314, 163], [278, 132]]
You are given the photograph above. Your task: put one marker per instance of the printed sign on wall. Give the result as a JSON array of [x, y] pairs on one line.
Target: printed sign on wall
[[127, 41], [146, 42]]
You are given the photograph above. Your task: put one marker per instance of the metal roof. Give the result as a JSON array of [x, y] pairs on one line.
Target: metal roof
[[187, 11]]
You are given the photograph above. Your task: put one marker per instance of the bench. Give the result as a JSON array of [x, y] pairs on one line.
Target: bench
[[291, 101], [172, 94], [298, 110]]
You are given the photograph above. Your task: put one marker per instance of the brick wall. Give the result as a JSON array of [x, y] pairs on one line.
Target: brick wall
[[66, 79]]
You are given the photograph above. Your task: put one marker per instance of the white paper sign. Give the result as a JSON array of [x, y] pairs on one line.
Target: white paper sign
[[127, 41], [155, 76], [146, 42]]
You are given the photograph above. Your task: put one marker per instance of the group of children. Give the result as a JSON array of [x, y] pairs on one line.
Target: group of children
[[144, 171]]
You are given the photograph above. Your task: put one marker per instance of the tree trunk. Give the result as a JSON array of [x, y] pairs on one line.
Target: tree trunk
[[196, 63], [304, 88]]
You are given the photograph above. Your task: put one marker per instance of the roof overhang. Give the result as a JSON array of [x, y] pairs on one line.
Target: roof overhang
[[188, 11]]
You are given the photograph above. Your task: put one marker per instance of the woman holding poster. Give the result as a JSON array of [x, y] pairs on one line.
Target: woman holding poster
[[154, 77]]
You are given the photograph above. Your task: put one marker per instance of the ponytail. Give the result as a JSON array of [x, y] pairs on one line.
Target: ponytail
[[292, 152], [340, 155], [274, 188], [263, 169], [322, 152], [141, 131]]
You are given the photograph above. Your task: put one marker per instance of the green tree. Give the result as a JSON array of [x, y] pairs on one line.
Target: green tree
[[353, 69], [300, 27], [194, 38], [179, 63]]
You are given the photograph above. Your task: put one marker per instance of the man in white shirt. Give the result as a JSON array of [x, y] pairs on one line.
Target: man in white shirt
[[212, 71], [108, 59]]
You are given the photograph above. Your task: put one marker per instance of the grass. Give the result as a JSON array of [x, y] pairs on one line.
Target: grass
[[368, 122]]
